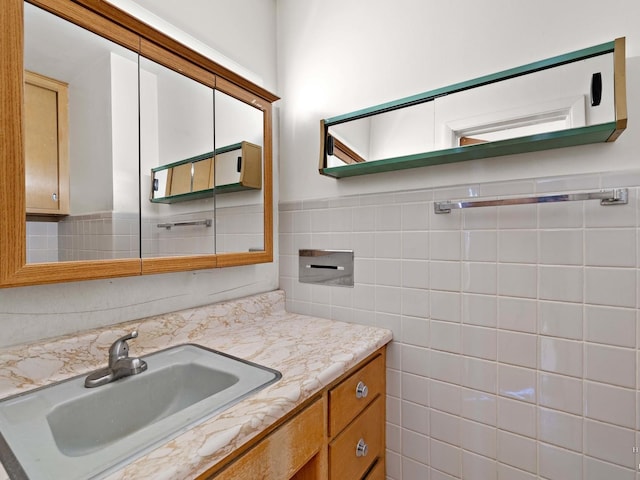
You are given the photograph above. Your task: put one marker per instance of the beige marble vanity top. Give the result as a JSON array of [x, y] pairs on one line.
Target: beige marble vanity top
[[309, 352]]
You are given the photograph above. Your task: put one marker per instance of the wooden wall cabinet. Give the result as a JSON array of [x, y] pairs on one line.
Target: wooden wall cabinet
[[46, 145], [338, 435]]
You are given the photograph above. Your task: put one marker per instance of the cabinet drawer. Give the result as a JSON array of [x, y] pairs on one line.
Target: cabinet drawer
[[345, 404], [368, 429], [377, 472]]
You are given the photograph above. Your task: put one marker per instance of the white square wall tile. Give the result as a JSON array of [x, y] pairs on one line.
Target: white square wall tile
[[517, 383], [476, 467], [445, 245], [445, 306], [446, 458], [597, 470], [559, 319], [518, 246], [415, 446], [560, 392], [561, 215], [415, 216], [415, 360], [388, 299], [415, 245], [515, 280], [480, 310], [479, 374], [479, 406], [479, 438], [446, 367], [480, 342], [561, 429], [561, 283], [517, 216], [610, 325], [485, 218], [388, 272], [610, 248], [479, 245], [610, 286], [558, 463], [445, 276], [415, 273], [610, 404], [609, 443], [445, 427], [415, 302], [444, 396], [415, 331], [561, 247], [611, 365], [415, 417], [445, 336], [517, 451], [415, 389], [517, 314], [410, 469], [517, 417], [388, 245], [388, 217], [479, 277], [560, 356], [517, 349]]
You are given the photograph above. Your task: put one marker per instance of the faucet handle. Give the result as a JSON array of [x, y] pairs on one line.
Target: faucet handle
[[120, 348]]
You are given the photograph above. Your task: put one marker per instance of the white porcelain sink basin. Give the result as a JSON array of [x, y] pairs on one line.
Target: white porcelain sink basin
[[68, 431]]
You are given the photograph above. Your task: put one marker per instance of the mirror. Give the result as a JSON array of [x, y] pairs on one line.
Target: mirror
[[238, 174], [99, 131], [94, 188], [176, 123], [568, 100]]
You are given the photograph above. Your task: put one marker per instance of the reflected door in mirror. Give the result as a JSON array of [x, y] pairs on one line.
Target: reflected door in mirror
[[98, 193]]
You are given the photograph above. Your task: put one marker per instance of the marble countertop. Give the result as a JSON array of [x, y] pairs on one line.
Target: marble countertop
[[309, 352]]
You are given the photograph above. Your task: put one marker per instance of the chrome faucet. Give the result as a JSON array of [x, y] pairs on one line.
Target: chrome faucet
[[120, 364]]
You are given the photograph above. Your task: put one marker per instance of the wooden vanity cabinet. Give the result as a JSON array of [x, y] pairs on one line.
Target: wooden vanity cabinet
[[357, 423], [46, 145], [320, 441]]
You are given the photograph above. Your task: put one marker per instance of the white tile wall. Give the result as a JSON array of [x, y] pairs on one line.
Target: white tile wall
[[516, 347]]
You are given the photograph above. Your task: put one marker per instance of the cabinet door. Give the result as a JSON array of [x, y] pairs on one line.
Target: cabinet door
[[46, 145], [286, 453]]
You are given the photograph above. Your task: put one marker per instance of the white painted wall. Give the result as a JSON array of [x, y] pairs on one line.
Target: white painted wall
[[30, 313], [335, 57]]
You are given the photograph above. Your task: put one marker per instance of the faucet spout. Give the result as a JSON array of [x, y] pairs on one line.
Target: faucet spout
[[120, 364]]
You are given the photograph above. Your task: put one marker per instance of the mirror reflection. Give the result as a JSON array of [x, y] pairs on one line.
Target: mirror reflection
[[569, 92], [239, 175], [81, 129], [176, 123]]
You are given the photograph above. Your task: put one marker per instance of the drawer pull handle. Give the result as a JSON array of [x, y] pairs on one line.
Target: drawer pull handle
[[362, 448], [361, 390]]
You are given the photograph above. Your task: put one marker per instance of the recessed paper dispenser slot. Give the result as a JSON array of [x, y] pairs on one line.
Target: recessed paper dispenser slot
[[326, 267]]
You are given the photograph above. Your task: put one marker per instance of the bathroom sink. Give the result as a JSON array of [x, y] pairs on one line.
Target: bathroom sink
[[68, 431]]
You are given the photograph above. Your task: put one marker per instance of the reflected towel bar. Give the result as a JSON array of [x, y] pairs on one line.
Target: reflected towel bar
[[616, 196], [207, 223]]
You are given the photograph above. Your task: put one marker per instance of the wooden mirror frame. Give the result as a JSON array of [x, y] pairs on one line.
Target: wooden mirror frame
[[112, 23]]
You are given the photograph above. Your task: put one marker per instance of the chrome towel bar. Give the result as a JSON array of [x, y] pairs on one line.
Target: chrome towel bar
[[616, 196], [207, 223]]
